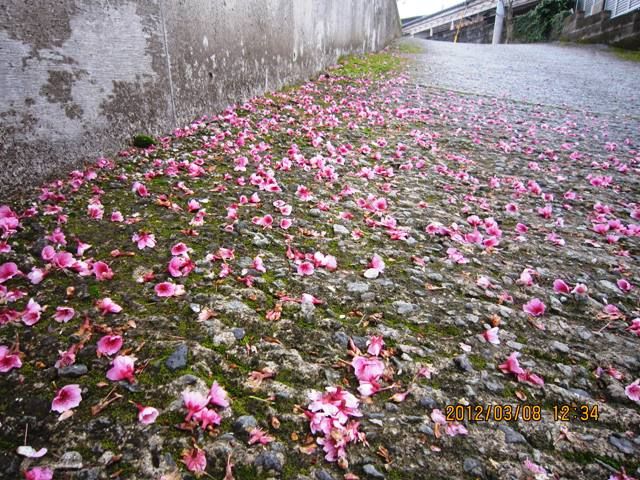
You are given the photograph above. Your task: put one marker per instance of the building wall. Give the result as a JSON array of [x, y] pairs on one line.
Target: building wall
[[476, 30], [622, 31], [79, 77]]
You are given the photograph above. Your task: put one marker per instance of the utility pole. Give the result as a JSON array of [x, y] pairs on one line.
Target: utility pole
[[509, 35], [497, 27]]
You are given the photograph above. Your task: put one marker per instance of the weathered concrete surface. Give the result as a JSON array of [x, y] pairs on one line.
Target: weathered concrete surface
[[481, 205], [79, 76], [583, 77]]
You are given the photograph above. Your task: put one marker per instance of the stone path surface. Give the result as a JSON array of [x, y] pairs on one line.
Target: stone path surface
[[387, 272], [578, 77]]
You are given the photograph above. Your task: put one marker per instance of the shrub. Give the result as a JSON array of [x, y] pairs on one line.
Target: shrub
[[543, 23]]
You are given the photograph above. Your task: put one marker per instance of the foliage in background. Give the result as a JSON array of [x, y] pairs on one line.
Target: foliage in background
[[543, 23]]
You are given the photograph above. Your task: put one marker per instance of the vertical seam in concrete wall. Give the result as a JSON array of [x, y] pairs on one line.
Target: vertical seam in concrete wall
[[166, 54]]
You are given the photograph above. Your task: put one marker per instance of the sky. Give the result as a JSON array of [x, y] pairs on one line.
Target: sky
[[413, 8]]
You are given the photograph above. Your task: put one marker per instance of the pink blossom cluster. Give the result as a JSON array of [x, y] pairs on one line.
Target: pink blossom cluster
[[511, 365], [452, 429], [197, 405], [369, 369], [489, 239], [307, 263], [330, 415]]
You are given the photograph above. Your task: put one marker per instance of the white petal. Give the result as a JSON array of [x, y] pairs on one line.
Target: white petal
[[371, 273], [30, 452]]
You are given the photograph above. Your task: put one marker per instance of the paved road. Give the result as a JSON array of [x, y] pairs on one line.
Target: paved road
[[583, 77]]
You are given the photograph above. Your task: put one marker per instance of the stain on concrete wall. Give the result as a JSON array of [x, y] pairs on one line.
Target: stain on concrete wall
[[79, 77]]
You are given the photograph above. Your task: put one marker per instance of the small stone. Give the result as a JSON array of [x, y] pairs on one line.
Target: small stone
[[511, 436], [341, 338], [471, 318], [435, 277], [106, 457], [565, 369], [403, 308], [360, 342], [238, 333], [260, 240], [131, 387], [70, 461], [76, 370], [227, 338], [427, 402], [178, 359], [580, 393], [357, 287], [340, 229], [368, 297], [323, 475], [412, 350], [391, 407], [584, 333], [371, 471], [245, 262], [269, 461], [514, 345], [89, 474], [243, 425], [186, 379], [609, 286], [559, 346], [616, 392], [494, 386], [473, 466], [463, 363], [622, 444]]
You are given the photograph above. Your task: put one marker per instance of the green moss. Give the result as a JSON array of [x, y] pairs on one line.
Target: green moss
[[629, 55], [441, 330], [143, 141], [245, 472], [368, 66], [109, 444], [9, 444], [478, 362], [508, 392], [544, 355], [436, 384], [587, 458], [94, 291], [409, 48]]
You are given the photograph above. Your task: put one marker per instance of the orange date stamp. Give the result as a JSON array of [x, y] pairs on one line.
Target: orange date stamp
[[523, 412]]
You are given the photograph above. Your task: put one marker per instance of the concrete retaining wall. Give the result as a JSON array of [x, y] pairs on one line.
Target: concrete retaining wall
[[622, 31], [79, 77], [476, 30]]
